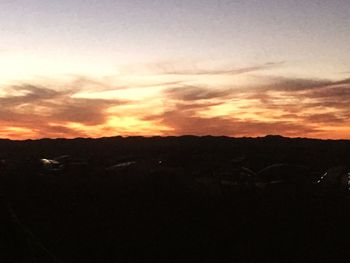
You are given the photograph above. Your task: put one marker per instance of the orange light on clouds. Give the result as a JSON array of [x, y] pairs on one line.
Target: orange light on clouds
[[175, 103], [17, 133]]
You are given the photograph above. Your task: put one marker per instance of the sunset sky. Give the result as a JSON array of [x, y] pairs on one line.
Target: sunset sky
[[84, 68]]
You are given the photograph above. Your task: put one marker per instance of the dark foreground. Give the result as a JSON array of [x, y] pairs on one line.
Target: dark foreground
[[173, 200]]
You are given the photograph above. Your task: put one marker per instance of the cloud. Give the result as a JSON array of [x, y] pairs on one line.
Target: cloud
[[183, 119], [16, 95], [320, 104], [47, 112], [272, 83], [191, 93], [333, 96], [320, 91], [331, 93], [83, 83], [326, 118], [291, 84], [86, 111], [174, 69], [271, 105]]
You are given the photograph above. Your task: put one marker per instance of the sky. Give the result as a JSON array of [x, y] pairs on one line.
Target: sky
[[74, 68]]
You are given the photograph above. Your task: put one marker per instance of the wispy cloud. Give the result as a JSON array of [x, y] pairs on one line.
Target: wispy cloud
[[287, 106], [184, 120], [326, 118], [171, 68], [47, 111], [288, 84], [191, 93]]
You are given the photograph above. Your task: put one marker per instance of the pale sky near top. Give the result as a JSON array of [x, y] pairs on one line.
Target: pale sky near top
[[40, 37]]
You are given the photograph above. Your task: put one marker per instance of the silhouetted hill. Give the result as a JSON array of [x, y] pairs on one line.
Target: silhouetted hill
[[259, 151]]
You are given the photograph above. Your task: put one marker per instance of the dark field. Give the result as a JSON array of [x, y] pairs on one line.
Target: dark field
[[175, 199]]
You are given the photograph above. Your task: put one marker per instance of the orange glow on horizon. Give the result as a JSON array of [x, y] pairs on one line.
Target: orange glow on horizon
[[176, 104]]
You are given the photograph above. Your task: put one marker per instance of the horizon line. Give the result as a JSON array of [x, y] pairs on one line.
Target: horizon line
[[274, 136]]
